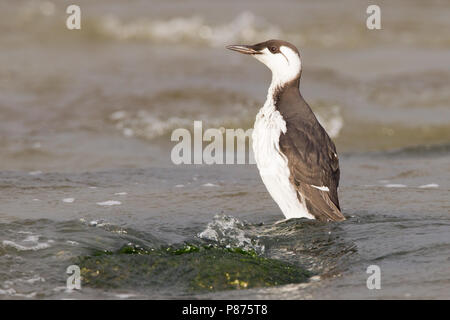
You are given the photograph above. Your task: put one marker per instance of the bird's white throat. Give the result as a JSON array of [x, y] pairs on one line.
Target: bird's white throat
[[285, 65]]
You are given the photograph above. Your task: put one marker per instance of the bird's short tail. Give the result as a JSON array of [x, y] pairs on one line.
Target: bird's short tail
[[321, 206]]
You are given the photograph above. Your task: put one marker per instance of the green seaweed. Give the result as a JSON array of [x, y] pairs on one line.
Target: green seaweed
[[195, 268], [102, 253], [187, 248]]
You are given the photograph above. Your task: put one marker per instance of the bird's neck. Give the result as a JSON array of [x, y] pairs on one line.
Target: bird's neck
[[279, 81], [277, 88]]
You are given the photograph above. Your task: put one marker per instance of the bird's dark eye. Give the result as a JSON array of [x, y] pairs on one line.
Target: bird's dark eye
[[273, 49]]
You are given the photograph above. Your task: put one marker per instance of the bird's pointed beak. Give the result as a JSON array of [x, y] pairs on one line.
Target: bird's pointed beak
[[244, 49]]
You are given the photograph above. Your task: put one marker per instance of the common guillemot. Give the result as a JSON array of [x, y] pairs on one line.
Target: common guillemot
[[295, 157]]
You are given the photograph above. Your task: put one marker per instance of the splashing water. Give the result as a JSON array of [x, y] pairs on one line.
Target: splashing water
[[230, 232]]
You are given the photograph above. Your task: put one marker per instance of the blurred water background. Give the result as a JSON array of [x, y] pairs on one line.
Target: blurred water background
[[86, 118]]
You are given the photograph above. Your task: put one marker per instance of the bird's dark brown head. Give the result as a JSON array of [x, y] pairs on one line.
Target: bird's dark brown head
[[281, 57], [273, 46]]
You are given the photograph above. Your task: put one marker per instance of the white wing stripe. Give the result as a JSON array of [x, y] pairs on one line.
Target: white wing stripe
[[322, 188]]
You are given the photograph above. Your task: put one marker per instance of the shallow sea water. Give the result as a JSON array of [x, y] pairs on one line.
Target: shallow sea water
[[86, 176]]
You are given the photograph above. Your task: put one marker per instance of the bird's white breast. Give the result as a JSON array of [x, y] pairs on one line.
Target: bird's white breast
[[271, 162]]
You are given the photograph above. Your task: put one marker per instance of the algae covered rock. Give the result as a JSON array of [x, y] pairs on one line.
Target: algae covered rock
[[190, 267]]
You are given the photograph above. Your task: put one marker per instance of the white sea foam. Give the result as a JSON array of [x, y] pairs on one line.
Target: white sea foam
[[109, 203], [26, 295], [35, 173], [147, 125], [93, 223], [143, 124], [118, 115], [30, 243], [209, 185], [8, 292], [429, 186], [125, 295], [68, 200], [395, 185], [31, 238], [32, 280], [19, 247], [245, 27]]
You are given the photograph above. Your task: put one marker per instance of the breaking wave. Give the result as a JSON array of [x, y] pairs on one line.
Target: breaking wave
[[30, 243], [245, 27], [145, 124]]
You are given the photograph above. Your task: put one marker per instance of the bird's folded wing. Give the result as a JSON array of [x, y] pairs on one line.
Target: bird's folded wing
[[314, 167]]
